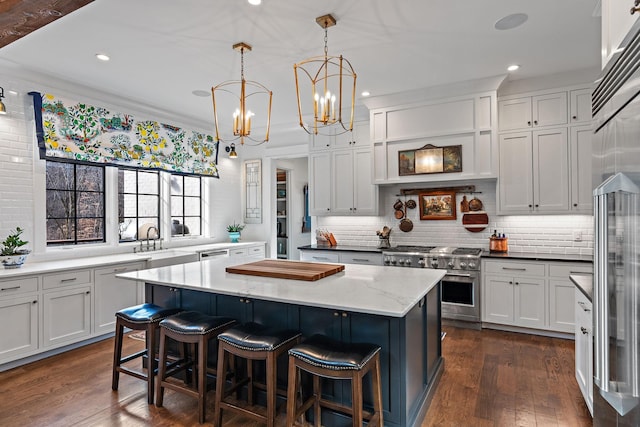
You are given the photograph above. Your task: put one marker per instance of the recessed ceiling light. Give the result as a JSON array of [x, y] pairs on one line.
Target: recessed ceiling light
[[200, 92], [513, 67], [366, 93], [102, 56], [511, 21], [255, 2]]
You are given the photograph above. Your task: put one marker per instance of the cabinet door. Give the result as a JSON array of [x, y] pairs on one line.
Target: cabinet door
[[581, 180], [616, 23], [365, 194], [530, 302], [20, 334], [361, 134], [66, 316], [498, 300], [515, 113], [342, 181], [516, 173], [163, 296], [561, 303], [113, 294], [320, 183], [321, 142], [343, 140], [580, 106], [549, 109], [551, 170], [584, 347]]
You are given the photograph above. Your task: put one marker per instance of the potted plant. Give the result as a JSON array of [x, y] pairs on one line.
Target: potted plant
[[10, 254], [234, 231]]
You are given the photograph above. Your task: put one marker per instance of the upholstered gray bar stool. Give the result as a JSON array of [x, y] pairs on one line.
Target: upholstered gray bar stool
[[188, 328], [251, 341], [324, 357], [144, 317]]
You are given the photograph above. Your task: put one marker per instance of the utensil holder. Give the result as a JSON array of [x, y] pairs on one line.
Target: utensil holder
[[498, 244], [383, 243]]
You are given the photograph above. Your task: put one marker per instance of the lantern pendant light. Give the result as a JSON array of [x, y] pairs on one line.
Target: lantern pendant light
[[332, 86], [242, 91]]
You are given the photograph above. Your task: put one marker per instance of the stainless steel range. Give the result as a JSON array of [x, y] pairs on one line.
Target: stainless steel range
[[461, 284]]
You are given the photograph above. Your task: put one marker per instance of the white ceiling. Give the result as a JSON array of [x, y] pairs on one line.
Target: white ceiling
[[163, 50]]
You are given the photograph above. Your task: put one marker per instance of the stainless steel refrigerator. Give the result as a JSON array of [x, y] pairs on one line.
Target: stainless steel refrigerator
[[616, 296]]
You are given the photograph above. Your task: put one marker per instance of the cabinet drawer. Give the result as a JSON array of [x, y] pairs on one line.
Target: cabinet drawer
[[69, 278], [319, 256], [514, 268], [238, 252], [18, 286], [256, 252], [122, 268], [361, 258], [564, 270]]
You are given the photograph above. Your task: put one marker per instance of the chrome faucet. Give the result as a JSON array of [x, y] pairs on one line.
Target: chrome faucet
[[155, 238]]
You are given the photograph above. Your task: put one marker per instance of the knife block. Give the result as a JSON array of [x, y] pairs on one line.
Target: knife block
[[498, 244]]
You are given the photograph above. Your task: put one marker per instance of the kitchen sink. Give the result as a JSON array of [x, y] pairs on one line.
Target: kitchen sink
[[164, 257]]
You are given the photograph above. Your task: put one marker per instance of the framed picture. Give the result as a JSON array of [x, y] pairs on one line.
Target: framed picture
[[407, 162], [437, 204], [430, 159]]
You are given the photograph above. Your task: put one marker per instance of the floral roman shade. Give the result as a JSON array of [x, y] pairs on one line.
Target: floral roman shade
[[83, 133]]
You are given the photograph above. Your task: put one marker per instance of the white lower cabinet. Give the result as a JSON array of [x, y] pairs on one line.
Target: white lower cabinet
[[584, 347], [530, 294], [113, 294], [66, 315], [21, 338]]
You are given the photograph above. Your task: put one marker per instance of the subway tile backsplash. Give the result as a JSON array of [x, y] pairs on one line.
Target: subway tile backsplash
[[526, 233]]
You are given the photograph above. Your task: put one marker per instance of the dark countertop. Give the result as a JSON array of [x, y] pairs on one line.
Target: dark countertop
[[584, 282], [537, 256], [341, 248]]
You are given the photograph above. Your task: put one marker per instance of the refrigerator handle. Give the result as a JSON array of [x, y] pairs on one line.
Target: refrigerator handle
[[600, 306]]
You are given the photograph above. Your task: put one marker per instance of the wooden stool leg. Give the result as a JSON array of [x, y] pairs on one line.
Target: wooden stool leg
[[292, 387], [250, 383], [356, 398], [317, 394], [272, 377], [202, 377], [151, 365], [117, 355], [162, 367], [377, 390], [221, 375]]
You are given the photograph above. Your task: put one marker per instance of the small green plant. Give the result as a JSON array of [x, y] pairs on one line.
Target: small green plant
[[235, 228], [13, 241]]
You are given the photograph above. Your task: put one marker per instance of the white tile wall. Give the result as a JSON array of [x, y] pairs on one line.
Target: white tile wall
[[526, 233]]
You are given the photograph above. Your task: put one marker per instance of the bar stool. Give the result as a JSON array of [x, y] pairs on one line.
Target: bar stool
[[143, 317], [196, 329], [252, 341], [327, 358]]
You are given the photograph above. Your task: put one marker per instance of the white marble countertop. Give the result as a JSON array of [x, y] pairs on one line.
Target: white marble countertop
[[387, 291], [41, 267]]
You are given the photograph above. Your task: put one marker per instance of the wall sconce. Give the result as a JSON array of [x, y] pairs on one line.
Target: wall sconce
[[3, 109], [231, 149]]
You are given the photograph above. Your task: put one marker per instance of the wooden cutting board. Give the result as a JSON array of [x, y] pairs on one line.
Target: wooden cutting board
[[282, 269], [475, 221]]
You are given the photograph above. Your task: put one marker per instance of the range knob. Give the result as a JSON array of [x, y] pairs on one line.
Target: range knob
[[393, 261], [387, 261], [401, 261], [472, 264], [463, 264], [434, 263], [451, 264], [421, 262], [407, 262]]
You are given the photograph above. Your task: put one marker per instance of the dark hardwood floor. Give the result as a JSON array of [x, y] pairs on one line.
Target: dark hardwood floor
[[491, 379]]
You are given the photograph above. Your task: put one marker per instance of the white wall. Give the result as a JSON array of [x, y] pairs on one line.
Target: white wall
[[527, 233], [22, 198]]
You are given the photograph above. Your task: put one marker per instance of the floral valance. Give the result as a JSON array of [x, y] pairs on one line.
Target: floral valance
[[79, 132]]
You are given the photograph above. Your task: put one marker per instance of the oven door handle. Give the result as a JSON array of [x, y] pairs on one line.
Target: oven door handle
[[458, 274]]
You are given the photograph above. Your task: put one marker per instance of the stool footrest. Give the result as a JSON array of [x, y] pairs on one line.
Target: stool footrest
[[130, 357]]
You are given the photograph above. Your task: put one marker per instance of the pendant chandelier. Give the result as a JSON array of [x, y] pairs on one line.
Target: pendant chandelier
[[331, 89], [245, 95]]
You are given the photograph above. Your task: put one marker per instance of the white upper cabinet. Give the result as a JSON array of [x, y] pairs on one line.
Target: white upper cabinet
[[580, 106], [616, 23], [319, 183], [533, 111]]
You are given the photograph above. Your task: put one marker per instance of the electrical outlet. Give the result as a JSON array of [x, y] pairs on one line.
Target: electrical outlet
[[577, 236]]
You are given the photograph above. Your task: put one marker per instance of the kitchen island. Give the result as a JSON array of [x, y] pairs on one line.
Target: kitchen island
[[398, 309]]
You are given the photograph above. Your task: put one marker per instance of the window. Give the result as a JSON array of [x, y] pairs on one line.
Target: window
[[75, 203], [138, 203], [186, 207]]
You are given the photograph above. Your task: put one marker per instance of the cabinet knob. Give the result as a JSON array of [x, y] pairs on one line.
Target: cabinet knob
[[530, 206], [344, 314], [355, 209], [336, 314], [510, 282], [575, 117], [328, 209], [88, 292], [34, 302], [535, 122], [517, 283], [537, 206], [247, 301], [575, 205], [584, 330], [529, 123]]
